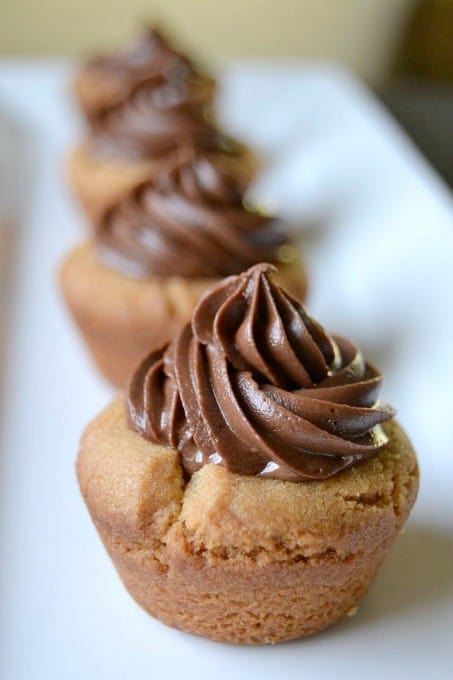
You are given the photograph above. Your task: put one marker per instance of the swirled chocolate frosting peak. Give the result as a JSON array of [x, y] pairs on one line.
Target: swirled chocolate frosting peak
[[188, 220], [149, 55], [151, 119], [256, 385]]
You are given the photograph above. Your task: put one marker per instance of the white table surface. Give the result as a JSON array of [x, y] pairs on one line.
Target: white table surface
[[377, 229]]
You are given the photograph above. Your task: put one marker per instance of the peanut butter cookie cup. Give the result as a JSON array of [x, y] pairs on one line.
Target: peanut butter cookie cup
[[154, 253], [251, 484], [105, 78], [131, 134]]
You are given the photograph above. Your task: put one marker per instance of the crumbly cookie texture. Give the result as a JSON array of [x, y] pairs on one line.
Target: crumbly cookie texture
[[122, 318], [98, 184], [241, 559]]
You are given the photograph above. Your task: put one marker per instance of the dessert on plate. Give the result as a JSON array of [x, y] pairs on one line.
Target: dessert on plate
[[105, 78], [135, 283], [140, 105], [128, 140], [250, 485]]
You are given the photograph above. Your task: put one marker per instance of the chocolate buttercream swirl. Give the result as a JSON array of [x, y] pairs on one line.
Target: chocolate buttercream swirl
[[149, 56], [189, 220], [153, 118], [254, 384]]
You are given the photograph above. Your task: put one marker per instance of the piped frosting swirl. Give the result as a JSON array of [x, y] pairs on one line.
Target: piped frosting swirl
[[153, 118], [188, 220], [150, 55], [254, 384]]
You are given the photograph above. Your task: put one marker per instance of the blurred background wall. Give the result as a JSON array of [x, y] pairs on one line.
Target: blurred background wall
[[363, 34], [403, 48]]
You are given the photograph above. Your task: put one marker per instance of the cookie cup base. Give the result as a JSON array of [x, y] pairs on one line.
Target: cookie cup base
[[240, 559], [122, 318]]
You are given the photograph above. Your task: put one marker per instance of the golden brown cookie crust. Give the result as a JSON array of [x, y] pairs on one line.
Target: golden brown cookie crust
[[91, 92], [99, 185], [241, 559], [122, 318]]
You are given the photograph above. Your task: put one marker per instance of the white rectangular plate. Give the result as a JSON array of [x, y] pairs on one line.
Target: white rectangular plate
[[378, 241]]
